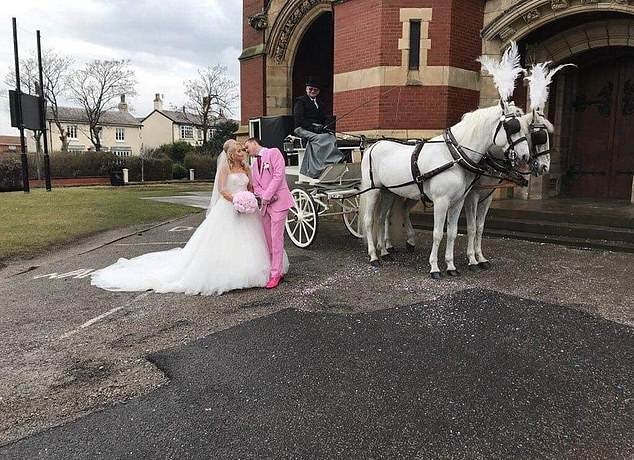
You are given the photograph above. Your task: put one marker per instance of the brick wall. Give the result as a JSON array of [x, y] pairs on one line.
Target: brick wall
[[252, 70], [409, 107], [467, 18], [252, 88], [250, 36], [357, 37]]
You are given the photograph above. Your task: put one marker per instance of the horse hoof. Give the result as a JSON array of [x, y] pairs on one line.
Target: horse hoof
[[391, 250], [387, 258], [453, 272], [484, 265], [435, 275], [475, 268], [375, 263], [410, 247]]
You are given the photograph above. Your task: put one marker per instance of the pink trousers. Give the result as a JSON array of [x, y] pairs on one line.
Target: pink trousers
[[273, 223]]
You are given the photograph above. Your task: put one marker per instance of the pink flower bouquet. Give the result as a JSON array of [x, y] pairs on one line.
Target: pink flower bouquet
[[245, 202]]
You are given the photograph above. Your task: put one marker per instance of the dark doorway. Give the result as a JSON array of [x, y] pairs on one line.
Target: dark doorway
[[599, 119], [315, 57]]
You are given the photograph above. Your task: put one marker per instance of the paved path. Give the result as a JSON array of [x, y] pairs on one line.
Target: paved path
[[69, 349], [194, 199]]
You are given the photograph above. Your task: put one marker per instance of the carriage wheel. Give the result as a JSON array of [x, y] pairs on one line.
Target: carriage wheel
[[351, 217], [301, 223]]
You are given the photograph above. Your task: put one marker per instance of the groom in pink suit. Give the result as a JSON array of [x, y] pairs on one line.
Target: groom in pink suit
[[269, 183]]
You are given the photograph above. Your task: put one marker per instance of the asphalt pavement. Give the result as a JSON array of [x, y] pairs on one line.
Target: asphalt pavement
[[72, 353], [474, 375]]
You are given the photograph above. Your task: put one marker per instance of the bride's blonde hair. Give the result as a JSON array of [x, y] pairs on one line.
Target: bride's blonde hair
[[231, 147]]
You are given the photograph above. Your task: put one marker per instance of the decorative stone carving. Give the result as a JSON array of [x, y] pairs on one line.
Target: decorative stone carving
[[620, 2], [532, 15], [287, 30], [559, 4], [259, 21], [507, 33], [589, 1]]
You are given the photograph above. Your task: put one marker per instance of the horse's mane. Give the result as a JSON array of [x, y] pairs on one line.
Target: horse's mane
[[481, 122]]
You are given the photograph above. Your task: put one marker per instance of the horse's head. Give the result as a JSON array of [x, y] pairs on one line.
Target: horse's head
[[540, 130], [511, 134]]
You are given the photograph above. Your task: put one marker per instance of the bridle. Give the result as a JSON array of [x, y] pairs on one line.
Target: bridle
[[511, 124], [539, 137]]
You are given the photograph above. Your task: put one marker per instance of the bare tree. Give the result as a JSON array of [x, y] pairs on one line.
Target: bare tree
[[211, 95], [97, 87], [55, 71]]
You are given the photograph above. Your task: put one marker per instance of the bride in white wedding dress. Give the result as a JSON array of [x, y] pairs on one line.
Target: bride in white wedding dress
[[227, 251]]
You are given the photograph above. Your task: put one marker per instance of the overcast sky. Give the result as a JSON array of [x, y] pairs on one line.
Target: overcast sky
[[166, 40]]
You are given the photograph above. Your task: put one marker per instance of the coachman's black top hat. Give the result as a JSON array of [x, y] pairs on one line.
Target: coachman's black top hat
[[313, 81]]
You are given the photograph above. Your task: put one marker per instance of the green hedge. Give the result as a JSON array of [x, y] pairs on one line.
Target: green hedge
[[83, 164], [153, 169], [179, 171], [204, 165], [10, 172]]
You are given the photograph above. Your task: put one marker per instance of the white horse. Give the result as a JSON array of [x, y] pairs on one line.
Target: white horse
[[478, 200], [386, 166]]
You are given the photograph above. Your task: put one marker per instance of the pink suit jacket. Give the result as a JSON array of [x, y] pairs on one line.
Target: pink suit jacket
[[270, 184]]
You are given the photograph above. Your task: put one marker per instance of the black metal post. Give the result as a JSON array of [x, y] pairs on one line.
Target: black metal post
[[47, 160], [25, 161]]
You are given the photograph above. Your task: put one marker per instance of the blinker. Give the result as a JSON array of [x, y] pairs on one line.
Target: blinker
[[512, 126], [539, 137]]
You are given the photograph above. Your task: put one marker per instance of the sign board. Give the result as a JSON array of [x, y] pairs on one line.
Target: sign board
[[30, 110]]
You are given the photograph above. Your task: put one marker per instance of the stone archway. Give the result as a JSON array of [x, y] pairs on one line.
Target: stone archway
[[555, 30], [292, 20], [507, 20]]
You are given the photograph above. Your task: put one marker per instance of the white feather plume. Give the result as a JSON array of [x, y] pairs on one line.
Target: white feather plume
[[539, 80], [505, 72]]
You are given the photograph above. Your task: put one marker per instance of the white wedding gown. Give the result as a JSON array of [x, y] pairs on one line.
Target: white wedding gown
[[227, 251]]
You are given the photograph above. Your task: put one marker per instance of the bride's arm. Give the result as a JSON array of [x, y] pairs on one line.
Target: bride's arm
[[222, 184]]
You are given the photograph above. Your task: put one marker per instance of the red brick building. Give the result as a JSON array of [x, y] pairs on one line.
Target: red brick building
[[410, 65], [9, 144]]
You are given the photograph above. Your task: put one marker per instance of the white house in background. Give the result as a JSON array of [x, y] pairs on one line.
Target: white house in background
[[169, 126], [120, 131]]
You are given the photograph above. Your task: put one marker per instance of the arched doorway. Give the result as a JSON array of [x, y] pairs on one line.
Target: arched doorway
[[315, 57], [597, 121]]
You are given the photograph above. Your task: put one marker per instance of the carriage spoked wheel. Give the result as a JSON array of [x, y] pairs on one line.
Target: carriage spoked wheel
[[301, 223], [351, 218]]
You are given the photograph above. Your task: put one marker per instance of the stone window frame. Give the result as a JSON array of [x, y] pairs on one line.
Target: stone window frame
[[407, 15]]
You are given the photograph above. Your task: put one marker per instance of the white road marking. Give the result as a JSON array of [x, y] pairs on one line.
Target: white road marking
[[181, 229], [94, 320], [77, 274]]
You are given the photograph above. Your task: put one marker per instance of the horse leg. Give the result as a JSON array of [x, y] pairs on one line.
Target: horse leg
[[483, 209], [409, 228], [452, 231], [387, 199], [440, 214], [470, 207], [388, 241], [369, 215]]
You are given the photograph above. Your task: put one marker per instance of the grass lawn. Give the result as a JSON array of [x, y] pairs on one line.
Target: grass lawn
[[30, 223]]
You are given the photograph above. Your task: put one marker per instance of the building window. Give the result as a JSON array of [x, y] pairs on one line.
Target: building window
[[212, 133], [122, 153], [199, 133], [414, 45], [119, 134], [187, 132], [71, 131]]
